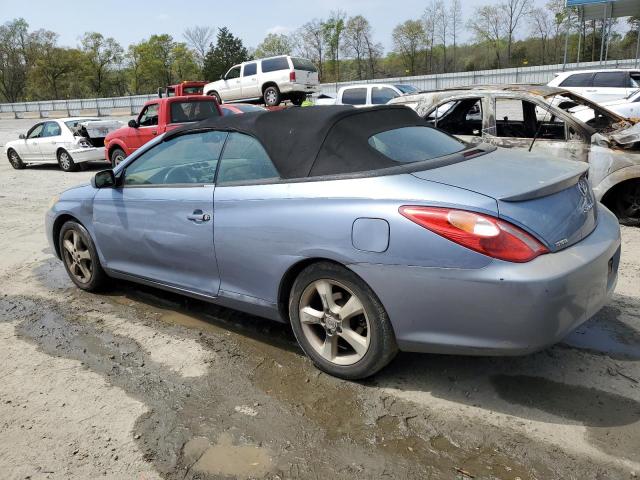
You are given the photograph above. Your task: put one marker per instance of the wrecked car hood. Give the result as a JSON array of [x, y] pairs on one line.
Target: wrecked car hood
[[626, 136]]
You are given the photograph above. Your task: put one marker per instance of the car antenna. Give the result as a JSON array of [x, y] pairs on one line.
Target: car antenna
[[535, 137]]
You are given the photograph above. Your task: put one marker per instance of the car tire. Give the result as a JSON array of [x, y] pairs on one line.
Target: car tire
[[271, 96], [328, 334], [626, 204], [116, 156], [15, 160], [66, 161], [216, 96], [80, 257], [298, 99]]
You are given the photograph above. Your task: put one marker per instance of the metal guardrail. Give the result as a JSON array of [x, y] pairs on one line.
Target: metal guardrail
[[537, 74]]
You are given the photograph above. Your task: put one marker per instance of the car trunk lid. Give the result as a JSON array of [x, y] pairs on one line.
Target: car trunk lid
[[551, 199]]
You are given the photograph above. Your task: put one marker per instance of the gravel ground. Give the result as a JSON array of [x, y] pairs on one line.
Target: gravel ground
[[138, 383]]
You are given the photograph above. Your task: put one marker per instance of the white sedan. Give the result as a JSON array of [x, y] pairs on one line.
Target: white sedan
[[628, 107], [69, 142]]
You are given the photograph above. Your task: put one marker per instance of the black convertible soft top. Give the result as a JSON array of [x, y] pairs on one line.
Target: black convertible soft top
[[314, 141]]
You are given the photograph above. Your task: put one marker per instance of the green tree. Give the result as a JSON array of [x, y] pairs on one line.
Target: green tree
[[184, 63], [228, 51], [408, 39], [274, 44], [55, 74], [14, 61], [103, 56], [333, 29]]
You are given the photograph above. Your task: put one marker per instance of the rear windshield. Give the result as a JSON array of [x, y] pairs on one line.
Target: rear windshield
[[415, 144], [303, 64], [193, 90], [192, 111]]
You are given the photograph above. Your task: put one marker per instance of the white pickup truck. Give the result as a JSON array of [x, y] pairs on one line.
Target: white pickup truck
[[372, 94]]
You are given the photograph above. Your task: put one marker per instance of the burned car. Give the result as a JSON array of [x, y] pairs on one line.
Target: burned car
[[539, 119]]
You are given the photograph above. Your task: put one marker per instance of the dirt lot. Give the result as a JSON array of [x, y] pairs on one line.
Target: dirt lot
[[137, 383]]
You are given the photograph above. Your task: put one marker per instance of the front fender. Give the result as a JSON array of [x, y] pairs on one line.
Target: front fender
[[619, 176]]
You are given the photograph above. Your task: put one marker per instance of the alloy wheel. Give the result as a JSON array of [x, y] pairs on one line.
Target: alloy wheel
[[14, 159], [334, 322], [77, 256], [65, 160]]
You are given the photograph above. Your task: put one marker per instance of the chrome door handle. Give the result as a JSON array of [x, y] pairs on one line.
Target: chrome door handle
[[198, 216]]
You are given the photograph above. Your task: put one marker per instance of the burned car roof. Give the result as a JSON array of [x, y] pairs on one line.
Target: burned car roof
[[541, 90], [314, 141]]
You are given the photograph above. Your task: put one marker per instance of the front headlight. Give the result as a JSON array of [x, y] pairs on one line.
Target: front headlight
[[53, 201]]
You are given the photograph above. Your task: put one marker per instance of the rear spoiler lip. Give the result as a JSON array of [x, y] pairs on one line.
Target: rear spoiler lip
[[559, 184]]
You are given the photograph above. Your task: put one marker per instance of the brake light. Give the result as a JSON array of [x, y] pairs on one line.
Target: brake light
[[292, 76], [484, 234]]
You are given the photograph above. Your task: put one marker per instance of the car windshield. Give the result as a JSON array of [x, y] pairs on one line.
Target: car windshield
[[599, 118], [633, 94], [406, 88], [415, 144], [192, 111], [303, 64]]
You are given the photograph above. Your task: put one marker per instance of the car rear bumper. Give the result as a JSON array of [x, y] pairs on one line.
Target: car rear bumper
[[94, 154], [298, 87], [504, 308]]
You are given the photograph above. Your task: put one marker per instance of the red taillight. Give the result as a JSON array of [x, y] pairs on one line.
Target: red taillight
[[482, 233], [292, 76]]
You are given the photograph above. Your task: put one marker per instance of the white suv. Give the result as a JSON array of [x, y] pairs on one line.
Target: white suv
[[366, 95], [269, 79], [599, 85]]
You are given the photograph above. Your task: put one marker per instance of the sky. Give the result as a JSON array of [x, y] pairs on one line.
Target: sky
[[134, 20]]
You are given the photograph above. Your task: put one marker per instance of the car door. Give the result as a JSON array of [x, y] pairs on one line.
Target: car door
[[519, 121], [157, 223], [460, 116], [30, 149], [578, 83], [232, 87], [607, 86], [382, 95], [240, 206], [50, 141], [147, 127], [249, 81]]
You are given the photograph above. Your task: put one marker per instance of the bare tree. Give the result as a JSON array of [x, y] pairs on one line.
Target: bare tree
[[541, 27], [488, 27], [514, 11], [455, 19], [408, 38], [429, 20], [442, 29], [356, 33], [199, 39], [311, 43]]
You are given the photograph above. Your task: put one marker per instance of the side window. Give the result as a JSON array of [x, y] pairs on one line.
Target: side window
[[522, 119], [610, 79], [274, 64], [149, 116], [191, 158], [249, 69], [577, 80], [233, 73], [634, 80], [244, 159], [51, 129], [354, 96], [381, 95], [36, 132], [458, 117]]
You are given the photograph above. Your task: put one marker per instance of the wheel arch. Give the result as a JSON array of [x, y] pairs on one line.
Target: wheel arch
[[289, 277], [61, 149], [268, 84], [113, 145], [615, 179], [57, 226]]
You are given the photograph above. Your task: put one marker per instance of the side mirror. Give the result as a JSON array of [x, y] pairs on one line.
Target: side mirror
[[21, 136], [104, 179], [133, 123]]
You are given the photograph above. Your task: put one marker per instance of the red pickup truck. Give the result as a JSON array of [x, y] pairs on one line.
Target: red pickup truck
[[186, 88], [156, 117]]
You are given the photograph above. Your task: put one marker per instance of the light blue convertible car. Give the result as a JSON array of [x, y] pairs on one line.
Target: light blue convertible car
[[365, 229]]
